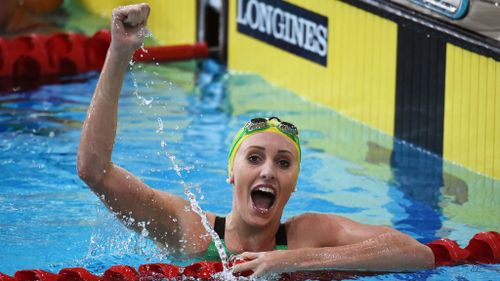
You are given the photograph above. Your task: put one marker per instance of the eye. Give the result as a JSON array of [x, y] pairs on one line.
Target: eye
[[254, 159], [284, 164]]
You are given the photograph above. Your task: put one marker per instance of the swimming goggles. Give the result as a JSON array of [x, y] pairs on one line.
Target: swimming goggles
[[263, 123], [272, 124]]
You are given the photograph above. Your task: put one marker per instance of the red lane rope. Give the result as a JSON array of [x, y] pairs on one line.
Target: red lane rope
[[63, 54], [484, 247]]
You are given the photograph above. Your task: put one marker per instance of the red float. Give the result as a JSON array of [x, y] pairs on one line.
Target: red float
[[158, 271], [120, 273], [484, 247], [77, 274], [63, 54], [5, 277], [35, 275], [448, 252]]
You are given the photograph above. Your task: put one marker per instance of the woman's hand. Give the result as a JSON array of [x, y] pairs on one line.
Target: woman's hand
[[264, 263], [386, 252], [128, 28]]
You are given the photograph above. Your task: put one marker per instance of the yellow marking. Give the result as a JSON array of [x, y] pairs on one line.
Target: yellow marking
[[466, 110], [481, 112], [490, 113], [474, 110], [452, 109], [359, 79], [496, 122], [471, 121], [172, 22]]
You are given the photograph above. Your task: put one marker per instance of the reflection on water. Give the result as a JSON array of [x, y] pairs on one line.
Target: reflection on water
[[346, 167], [417, 191], [419, 176], [455, 188]]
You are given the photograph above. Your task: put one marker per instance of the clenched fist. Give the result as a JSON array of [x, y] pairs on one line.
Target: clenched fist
[[128, 28]]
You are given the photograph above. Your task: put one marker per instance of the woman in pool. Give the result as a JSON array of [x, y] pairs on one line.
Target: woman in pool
[[263, 169]]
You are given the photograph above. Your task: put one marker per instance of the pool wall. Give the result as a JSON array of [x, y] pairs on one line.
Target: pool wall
[[422, 81], [409, 78], [406, 74], [171, 22]]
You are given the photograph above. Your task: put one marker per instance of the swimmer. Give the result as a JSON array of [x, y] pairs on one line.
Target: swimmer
[[263, 168]]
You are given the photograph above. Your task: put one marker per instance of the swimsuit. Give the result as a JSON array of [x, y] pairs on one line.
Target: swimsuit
[[211, 254]]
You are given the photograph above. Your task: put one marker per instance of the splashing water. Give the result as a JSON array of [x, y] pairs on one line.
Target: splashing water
[[112, 243], [204, 220], [143, 100], [160, 126], [226, 274]]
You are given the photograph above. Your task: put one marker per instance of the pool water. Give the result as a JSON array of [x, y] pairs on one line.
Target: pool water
[[189, 112]]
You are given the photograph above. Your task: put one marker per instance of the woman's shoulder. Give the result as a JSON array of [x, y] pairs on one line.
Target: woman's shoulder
[[311, 218], [313, 230]]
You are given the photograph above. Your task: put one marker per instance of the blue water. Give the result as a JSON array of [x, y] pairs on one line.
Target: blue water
[[50, 220]]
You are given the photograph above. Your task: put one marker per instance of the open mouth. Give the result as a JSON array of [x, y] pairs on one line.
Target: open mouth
[[263, 198]]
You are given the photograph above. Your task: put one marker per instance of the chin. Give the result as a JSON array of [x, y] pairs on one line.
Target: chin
[[259, 222], [260, 219]]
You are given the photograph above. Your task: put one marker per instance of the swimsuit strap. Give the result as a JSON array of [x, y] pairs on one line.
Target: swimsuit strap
[[281, 235], [220, 228]]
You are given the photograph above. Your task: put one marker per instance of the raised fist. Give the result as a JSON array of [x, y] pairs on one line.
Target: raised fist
[[128, 28]]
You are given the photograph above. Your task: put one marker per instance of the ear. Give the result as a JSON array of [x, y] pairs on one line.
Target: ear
[[230, 180]]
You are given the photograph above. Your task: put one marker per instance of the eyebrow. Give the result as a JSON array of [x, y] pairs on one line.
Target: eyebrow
[[263, 148], [255, 146], [285, 151]]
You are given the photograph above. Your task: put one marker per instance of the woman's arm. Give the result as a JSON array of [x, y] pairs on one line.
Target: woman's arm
[[137, 205], [349, 246]]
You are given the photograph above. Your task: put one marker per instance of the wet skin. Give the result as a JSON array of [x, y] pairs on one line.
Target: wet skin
[[264, 176], [266, 160]]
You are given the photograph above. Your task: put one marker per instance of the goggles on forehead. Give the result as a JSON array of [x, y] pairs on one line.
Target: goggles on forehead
[[264, 123], [271, 124]]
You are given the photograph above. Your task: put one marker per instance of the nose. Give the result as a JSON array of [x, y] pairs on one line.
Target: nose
[[267, 171]]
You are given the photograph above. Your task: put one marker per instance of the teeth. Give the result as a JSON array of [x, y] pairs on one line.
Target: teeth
[[266, 189]]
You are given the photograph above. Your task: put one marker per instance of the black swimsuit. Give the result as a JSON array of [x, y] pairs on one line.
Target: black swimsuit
[[212, 254], [220, 228]]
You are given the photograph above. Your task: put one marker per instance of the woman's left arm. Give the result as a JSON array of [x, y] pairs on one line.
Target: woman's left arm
[[357, 247]]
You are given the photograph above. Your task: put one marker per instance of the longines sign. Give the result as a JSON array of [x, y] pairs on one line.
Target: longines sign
[[285, 26]]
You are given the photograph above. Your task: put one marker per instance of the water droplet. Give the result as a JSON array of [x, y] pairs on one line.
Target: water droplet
[[160, 127], [197, 209]]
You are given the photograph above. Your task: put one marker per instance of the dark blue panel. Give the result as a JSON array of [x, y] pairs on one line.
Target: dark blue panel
[[279, 23]]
